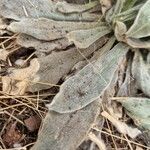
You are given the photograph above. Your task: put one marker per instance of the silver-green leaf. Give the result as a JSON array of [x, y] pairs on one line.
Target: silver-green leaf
[[85, 38], [141, 72], [139, 109], [141, 25], [89, 83]]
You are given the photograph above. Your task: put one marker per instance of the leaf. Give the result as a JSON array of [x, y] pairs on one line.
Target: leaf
[[129, 4], [137, 43], [104, 49], [129, 14], [138, 109], [24, 9], [114, 10], [121, 126], [46, 29], [65, 7], [42, 46], [85, 38], [89, 83], [39, 9], [66, 131], [118, 7], [12, 135], [141, 72], [141, 25]]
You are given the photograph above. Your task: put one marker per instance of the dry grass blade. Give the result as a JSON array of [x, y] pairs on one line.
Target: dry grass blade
[[96, 140], [121, 138]]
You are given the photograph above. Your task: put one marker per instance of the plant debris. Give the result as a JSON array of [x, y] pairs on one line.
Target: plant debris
[[32, 123]]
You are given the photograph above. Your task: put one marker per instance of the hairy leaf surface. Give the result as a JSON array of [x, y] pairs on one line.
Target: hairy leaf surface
[[138, 109], [88, 84], [141, 25]]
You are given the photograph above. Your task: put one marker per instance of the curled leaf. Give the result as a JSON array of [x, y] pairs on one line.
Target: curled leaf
[[120, 30], [89, 83]]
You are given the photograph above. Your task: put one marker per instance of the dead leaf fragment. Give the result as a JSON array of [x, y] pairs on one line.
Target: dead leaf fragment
[[139, 148], [32, 123], [3, 54], [121, 126], [17, 81], [105, 5], [12, 135], [115, 110]]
